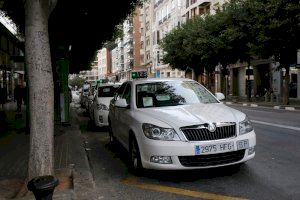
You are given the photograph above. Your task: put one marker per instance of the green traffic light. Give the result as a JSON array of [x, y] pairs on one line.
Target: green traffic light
[[133, 74]]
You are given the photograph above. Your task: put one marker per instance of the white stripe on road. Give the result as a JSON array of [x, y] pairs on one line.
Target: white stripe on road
[[277, 125]]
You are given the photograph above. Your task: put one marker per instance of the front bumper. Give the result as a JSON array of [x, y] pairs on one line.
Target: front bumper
[[179, 151]]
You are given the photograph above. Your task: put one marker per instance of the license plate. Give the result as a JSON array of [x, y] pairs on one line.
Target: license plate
[[214, 148], [242, 144]]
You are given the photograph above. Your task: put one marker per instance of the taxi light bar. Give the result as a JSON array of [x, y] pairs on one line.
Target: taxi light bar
[[139, 74]]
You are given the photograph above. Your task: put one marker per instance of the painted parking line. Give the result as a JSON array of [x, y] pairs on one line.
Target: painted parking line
[[277, 125], [179, 191]]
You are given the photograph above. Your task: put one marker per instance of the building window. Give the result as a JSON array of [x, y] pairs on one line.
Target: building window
[[173, 4], [168, 74], [148, 55], [147, 41], [142, 44], [157, 37], [187, 3], [142, 31], [147, 26], [193, 1], [193, 12]]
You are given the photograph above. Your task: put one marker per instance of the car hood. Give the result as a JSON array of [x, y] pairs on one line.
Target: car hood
[[187, 115]]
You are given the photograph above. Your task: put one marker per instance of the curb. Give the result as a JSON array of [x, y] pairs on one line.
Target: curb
[[280, 107], [84, 185], [83, 181]]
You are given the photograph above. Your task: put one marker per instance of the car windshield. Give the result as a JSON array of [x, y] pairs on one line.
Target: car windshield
[[172, 93], [107, 91]]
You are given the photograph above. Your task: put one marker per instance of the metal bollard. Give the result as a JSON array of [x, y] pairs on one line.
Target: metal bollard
[[43, 187]]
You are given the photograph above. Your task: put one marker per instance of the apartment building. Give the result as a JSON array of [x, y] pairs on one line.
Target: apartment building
[[128, 47], [117, 61], [103, 63], [192, 8], [146, 54], [167, 16], [136, 39]]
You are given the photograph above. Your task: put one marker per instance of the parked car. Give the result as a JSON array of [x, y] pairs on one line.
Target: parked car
[[99, 108], [75, 96], [84, 95], [178, 124]]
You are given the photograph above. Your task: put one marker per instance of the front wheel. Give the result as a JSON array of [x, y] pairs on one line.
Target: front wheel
[[135, 164]]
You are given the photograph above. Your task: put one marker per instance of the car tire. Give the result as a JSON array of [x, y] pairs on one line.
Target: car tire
[[135, 162]]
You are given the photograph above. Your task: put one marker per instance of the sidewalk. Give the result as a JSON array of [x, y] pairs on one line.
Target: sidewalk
[[71, 162], [293, 105]]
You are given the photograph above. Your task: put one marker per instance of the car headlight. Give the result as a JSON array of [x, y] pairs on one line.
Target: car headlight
[[101, 106], [245, 126], [158, 133]]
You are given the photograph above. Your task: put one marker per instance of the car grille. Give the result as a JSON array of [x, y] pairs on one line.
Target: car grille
[[202, 134], [212, 159]]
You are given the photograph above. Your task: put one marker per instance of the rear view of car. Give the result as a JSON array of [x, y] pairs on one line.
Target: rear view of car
[[104, 94]]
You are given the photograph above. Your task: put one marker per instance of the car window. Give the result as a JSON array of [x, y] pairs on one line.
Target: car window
[[172, 93], [120, 91], [127, 93], [107, 91]]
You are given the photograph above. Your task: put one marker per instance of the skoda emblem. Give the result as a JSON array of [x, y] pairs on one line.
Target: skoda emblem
[[211, 127]]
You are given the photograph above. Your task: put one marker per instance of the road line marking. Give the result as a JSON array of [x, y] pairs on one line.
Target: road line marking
[[179, 191], [277, 125]]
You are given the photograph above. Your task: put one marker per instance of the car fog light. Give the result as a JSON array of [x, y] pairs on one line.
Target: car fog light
[[161, 159], [251, 150]]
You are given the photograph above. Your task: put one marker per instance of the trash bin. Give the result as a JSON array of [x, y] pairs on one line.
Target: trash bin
[[43, 187]]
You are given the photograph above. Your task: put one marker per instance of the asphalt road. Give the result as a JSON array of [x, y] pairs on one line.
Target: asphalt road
[[272, 174]]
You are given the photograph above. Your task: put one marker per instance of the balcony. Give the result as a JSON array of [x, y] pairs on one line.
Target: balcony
[[157, 4], [204, 2]]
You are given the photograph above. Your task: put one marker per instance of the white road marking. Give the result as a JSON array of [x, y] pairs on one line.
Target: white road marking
[[277, 125]]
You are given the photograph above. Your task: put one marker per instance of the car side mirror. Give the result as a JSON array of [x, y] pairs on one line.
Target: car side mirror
[[220, 96], [122, 103]]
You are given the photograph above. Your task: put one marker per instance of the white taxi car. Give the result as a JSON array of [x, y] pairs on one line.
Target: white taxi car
[[99, 108], [178, 124]]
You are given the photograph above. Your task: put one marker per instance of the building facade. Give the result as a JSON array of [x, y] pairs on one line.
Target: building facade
[[146, 54], [103, 63]]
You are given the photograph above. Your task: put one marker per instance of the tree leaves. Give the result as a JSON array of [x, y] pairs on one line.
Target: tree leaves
[[242, 30]]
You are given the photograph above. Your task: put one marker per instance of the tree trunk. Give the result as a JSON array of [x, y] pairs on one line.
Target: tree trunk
[[41, 91], [286, 86]]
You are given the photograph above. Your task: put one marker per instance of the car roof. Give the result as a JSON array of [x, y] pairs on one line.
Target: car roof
[[108, 84], [152, 80]]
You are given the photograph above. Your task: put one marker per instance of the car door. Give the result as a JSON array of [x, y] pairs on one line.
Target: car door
[[124, 117], [113, 110]]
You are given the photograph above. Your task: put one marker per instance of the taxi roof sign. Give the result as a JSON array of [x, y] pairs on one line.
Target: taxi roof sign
[[139, 74]]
